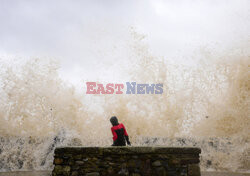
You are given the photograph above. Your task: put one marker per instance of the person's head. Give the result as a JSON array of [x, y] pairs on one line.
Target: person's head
[[114, 121]]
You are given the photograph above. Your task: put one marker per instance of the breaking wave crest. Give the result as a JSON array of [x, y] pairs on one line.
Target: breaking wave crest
[[206, 105]]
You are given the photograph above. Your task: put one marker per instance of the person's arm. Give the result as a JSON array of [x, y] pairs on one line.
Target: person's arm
[[126, 135], [114, 136]]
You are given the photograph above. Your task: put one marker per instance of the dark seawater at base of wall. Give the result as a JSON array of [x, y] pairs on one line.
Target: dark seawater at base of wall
[[48, 173]]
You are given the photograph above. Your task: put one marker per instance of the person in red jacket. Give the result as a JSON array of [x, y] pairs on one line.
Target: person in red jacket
[[119, 133]]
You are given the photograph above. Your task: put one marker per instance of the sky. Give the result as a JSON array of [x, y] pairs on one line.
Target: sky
[[91, 38]]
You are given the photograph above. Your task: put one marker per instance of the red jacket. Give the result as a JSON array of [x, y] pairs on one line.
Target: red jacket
[[119, 135]]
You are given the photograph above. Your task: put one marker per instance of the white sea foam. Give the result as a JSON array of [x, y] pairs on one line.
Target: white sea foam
[[206, 105]]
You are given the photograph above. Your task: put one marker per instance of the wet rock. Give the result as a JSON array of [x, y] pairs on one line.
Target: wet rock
[[58, 161], [135, 174], [93, 174], [132, 163], [79, 162], [156, 163], [161, 171], [78, 157], [66, 168], [75, 173], [124, 170], [57, 169], [110, 170], [194, 170]]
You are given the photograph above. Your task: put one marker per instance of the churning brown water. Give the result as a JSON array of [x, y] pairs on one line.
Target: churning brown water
[[205, 105]]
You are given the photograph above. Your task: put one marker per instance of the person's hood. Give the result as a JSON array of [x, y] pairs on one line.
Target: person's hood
[[114, 121]]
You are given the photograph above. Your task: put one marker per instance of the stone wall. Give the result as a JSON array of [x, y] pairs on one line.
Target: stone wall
[[131, 161]]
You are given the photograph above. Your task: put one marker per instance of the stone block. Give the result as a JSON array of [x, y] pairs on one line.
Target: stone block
[[194, 170]]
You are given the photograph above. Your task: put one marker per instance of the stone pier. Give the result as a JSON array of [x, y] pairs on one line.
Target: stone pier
[[130, 161]]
